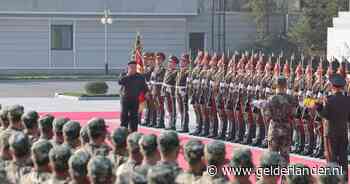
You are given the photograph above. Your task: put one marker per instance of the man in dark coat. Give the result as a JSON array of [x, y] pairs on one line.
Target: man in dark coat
[[336, 112]]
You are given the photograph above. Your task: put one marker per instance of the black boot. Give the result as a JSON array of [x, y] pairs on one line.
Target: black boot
[[205, 131], [199, 124], [215, 125], [239, 133], [184, 124]]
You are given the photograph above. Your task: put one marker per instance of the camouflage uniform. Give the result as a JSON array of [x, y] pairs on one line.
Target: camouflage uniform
[[168, 91], [58, 124], [4, 119], [71, 131], [214, 154], [84, 136], [148, 146], [181, 92], [78, 166], [5, 159], [279, 110], [269, 160], [40, 153], [119, 155], [59, 157], [194, 91], [15, 113], [133, 146], [168, 143], [194, 151], [30, 121], [45, 127], [303, 177], [157, 77], [242, 158], [96, 126], [161, 174], [20, 146], [100, 169]]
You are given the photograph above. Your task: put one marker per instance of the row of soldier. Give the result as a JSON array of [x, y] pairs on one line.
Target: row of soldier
[[50, 150], [222, 92]]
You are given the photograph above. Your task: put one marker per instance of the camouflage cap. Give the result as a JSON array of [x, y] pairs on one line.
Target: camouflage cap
[[194, 151], [242, 158], [148, 144], [332, 174], [133, 141], [58, 124], [84, 135], [161, 174], [59, 157], [30, 119], [137, 178], [45, 122], [215, 152], [299, 177], [4, 139], [270, 159], [100, 166], [4, 113], [71, 130], [168, 141], [19, 143], [119, 136], [78, 163], [15, 112], [96, 127], [40, 152]]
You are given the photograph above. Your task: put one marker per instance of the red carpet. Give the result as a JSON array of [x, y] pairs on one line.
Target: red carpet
[[111, 118]]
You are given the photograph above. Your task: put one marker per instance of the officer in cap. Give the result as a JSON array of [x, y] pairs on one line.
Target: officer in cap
[[194, 152], [169, 92], [149, 150], [84, 136], [135, 157], [242, 159], [161, 174], [97, 131], [119, 153], [4, 118], [303, 177], [30, 121], [278, 111], [59, 157], [132, 85], [20, 150], [58, 124], [336, 112], [40, 156], [169, 147], [214, 154], [78, 167], [45, 127], [14, 115], [100, 170], [71, 132], [269, 161]]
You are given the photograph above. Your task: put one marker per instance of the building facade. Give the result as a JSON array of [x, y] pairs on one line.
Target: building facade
[[67, 36]]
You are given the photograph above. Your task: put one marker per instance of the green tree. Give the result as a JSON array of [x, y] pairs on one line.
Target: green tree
[[310, 32]]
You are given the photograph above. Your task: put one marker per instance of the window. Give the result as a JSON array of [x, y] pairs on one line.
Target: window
[[61, 37]]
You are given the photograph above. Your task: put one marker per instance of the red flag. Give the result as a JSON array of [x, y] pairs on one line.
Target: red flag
[[139, 65]]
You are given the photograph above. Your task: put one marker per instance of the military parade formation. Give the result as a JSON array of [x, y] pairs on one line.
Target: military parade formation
[[224, 92]]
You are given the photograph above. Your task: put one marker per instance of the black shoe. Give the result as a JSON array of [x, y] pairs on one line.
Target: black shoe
[[196, 133]]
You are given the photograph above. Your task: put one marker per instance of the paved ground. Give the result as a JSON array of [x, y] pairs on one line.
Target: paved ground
[[45, 88]]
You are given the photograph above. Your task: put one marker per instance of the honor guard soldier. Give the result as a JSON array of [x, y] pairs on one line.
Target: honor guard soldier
[[157, 78], [334, 109], [219, 92], [278, 111], [203, 95], [194, 91], [231, 95], [211, 105], [148, 60], [169, 91], [182, 92]]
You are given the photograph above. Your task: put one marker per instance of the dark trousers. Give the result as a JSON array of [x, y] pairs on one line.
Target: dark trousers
[[129, 114], [336, 151]]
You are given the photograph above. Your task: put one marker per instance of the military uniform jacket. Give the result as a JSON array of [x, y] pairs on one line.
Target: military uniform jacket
[[15, 171], [194, 87], [266, 85], [279, 109], [181, 82], [156, 79], [207, 179], [204, 86], [169, 82], [35, 177], [187, 178]]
